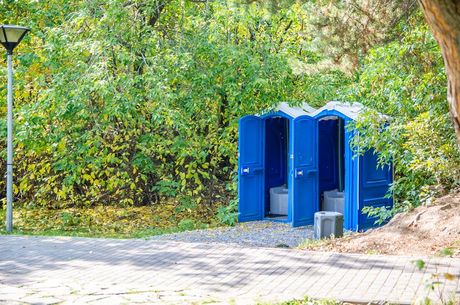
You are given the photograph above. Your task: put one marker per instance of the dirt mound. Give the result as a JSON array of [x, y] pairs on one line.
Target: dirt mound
[[426, 230]]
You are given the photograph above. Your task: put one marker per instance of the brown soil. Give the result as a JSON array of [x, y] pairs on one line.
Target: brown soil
[[426, 230]]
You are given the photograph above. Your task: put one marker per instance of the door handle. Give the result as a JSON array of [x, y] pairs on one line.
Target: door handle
[[300, 172], [246, 170]]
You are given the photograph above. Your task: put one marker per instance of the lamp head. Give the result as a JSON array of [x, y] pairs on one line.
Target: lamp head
[[11, 36]]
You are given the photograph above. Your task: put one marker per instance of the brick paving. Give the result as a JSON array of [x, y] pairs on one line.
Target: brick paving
[[50, 270]]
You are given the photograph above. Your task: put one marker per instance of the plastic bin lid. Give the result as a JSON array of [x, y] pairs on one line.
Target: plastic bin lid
[[328, 213]]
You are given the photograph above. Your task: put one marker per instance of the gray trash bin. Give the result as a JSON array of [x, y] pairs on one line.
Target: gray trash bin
[[327, 224]]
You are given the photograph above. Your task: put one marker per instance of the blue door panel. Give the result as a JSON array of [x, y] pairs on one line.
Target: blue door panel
[[304, 171], [249, 205], [367, 222], [375, 182], [250, 168]]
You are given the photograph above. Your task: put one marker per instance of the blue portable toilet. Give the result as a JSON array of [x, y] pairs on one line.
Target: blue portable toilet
[[291, 157], [278, 149]]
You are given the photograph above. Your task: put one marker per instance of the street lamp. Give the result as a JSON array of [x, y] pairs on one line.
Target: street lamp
[[10, 37]]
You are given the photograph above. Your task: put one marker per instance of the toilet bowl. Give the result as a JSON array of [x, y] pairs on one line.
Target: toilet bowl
[[334, 201], [279, 200]]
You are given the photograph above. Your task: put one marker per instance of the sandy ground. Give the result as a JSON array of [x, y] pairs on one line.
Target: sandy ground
[[427, 230]]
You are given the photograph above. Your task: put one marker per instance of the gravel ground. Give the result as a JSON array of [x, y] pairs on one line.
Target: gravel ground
[[256, 233]]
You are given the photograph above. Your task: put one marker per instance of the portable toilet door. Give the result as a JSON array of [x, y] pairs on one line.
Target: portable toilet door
[[305, 177], [250, 168], [374, 184], [365, 183]]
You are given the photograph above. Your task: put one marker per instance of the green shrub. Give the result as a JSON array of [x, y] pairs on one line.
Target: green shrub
[[405, 79], [130, 116], [228, 214], [186, 224]]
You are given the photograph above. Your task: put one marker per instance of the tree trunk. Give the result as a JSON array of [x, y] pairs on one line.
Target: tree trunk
[[443, 16], [156, 15]]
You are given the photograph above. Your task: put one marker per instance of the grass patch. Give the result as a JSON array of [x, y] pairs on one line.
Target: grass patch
[[106, 221], [325, 243], [312, 244], [452, 250], [308, 244]]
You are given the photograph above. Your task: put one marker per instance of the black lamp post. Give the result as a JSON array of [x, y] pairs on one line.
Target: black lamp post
[[10, 37]]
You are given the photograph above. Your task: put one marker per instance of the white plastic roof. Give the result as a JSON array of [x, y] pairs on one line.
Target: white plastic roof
[[294, 112], [351, 110]]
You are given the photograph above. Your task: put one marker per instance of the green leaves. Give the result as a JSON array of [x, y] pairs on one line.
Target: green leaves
[[131, 115], [405, 79], [128, 115], [419, 263]]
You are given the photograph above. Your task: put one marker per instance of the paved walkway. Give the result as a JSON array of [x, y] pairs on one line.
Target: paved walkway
[[106, 271]]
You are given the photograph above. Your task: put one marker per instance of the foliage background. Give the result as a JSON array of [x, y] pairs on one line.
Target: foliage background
[[135, 103]]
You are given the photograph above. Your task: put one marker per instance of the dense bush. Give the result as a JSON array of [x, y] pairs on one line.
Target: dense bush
[[405, 79], [130, 102], [114, 108]]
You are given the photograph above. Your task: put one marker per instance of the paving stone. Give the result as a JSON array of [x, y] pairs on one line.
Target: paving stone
[[47, 270]]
